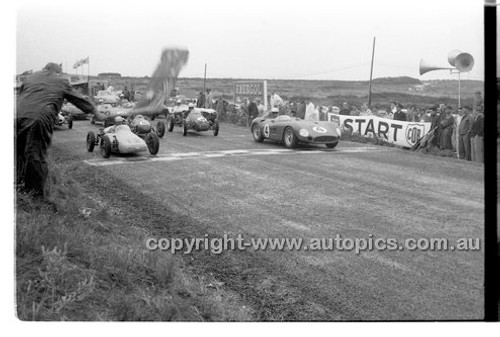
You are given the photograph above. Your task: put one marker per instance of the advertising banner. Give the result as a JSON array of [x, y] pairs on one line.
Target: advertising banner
[[400, 133]]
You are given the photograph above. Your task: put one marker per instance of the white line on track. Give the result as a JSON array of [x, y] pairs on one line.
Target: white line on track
[[222, 154]]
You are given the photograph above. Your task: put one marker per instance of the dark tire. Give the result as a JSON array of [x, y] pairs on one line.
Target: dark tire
[[257, 133], [185, 127], [216, 128], [105, 147], [90, 141], [170, 124], [332, 145], [160, 129], [153, 143], [70, 121], [289, 138]]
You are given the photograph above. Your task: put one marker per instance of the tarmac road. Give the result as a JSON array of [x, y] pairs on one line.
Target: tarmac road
[[231, 185]]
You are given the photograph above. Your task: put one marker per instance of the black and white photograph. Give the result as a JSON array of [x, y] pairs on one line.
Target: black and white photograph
[[251, 161]]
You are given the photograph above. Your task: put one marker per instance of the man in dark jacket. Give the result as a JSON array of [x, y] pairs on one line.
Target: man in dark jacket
[[253, 112], [38, 104], [399, 115], [464, 128], [476, 137]]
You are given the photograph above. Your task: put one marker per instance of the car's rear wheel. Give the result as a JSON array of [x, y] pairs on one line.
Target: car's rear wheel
[[290, 139], [70, 121], [332, 145], [170, 124], [257, 133], [153, 143], [105, 147], [184, 124], [216, 128], [160, 129], [90, 141]]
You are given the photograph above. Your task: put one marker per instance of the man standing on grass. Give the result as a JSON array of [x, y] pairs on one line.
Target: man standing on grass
[[38, 104], [464, 129], [476, 137]]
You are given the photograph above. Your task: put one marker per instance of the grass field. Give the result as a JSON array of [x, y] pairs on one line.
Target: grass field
[[407, 91]]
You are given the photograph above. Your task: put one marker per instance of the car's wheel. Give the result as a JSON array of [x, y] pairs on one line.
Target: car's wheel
[[70, 121], [105, 147], [153, 143], [257, 133], [216, 128], [170, 124], [289, 138], [184, 124], [160, 129], [90, 141], [332, 145], [92, 120]]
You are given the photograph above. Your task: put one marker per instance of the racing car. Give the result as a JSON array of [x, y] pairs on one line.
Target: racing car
[[120, 139], [141, 126], [292, 130], [191, 118], [64, 119]]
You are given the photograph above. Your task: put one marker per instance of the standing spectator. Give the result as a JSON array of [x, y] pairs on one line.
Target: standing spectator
[[365, 111], [446, 126], [346, 111], [478, 104], [221, 107], [354, 111], [253, 112], [301, 109], [310, 114], [388, 113], [464, 128], [262, 109], [399, 115], [276, 101], [126, 94], [413, 115], [200, 103], [477, 137], [40, 99], [208, 100]]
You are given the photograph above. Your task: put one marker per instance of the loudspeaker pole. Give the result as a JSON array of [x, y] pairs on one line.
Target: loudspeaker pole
[[371, 74]]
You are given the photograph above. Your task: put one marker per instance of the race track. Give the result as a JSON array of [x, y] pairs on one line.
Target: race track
[[232, 185]]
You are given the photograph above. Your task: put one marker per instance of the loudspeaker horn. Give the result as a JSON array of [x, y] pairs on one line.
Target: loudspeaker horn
[[426, 66], [462, 61]]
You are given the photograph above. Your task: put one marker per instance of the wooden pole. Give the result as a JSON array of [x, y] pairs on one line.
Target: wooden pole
[[205, 78], [371, 74]]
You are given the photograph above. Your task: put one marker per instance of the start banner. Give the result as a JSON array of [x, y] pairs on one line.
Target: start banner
[[399, 133]]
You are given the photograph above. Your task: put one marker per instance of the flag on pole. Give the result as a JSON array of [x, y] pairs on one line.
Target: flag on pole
[[81, 62]]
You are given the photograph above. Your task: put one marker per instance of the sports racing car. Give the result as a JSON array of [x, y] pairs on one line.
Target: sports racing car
[[292, 131], [121, 140]]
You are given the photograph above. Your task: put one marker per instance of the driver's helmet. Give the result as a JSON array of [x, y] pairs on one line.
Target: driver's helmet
[[119, 120], [190, 105]]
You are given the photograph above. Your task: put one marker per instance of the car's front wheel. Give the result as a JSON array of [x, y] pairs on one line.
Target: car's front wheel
[[90, 141], [170, 124], [105, 147], [216, 128], [160, 129], [290, 139], [257, 133], [152, 142]]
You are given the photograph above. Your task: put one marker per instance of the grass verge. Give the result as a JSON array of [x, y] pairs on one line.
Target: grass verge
[[79, 259]]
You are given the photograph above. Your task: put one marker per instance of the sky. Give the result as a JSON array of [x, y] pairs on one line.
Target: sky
[[309, 39]]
